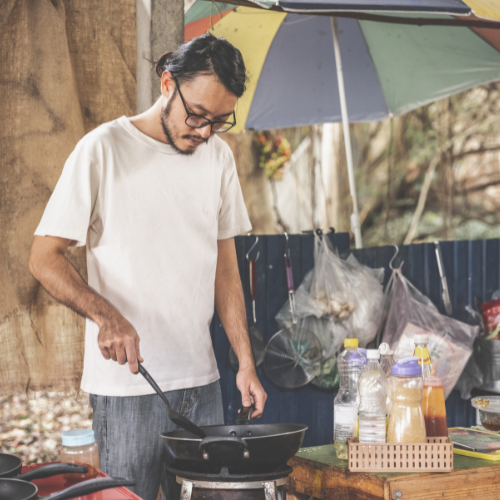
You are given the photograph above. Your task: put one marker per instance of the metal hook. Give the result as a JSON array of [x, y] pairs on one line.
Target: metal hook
[[394, 257], [287, 250], [252, 247]]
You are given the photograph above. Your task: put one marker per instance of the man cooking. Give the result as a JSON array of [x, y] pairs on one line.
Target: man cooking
[[156, 200]]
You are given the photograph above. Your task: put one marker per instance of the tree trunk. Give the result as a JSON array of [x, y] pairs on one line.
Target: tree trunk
[[253, 181]]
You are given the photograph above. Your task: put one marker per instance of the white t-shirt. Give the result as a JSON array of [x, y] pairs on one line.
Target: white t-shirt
[[150, 219]]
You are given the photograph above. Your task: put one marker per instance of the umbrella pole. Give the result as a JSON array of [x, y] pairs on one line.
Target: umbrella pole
[[355, 222]]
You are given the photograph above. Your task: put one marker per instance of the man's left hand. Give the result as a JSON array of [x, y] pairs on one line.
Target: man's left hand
[[252, 392]]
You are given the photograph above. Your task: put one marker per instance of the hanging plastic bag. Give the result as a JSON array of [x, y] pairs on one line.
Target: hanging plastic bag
[[411, 312], [337, 299]]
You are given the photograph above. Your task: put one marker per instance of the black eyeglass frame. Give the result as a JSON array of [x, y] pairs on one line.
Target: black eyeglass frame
[[206, 120]]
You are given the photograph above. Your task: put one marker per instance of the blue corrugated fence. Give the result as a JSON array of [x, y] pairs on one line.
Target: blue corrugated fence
[[472, 270]]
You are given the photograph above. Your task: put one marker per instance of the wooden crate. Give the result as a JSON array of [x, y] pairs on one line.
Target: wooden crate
[[435, 456]]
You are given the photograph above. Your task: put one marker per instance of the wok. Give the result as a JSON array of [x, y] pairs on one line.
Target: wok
[[15, 489], [243, 447], [10, 466]]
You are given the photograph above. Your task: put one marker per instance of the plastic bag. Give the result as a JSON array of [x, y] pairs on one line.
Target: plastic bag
[[337, 299], [471, 378], [411, 312]]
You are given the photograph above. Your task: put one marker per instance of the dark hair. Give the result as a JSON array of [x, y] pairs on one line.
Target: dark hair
[[206, 54]]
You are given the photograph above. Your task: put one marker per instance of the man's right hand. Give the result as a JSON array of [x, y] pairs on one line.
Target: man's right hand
[[117, 338], [119, 341]]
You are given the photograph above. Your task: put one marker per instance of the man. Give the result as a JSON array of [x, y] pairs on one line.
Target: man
[[157, 202]]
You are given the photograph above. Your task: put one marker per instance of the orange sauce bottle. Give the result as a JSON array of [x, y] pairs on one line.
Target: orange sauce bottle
[[433, 406]]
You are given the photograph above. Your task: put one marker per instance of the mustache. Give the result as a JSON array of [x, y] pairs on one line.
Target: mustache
[[195, 137]]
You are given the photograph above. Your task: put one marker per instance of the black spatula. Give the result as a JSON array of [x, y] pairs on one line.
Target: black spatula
[[176, 417]]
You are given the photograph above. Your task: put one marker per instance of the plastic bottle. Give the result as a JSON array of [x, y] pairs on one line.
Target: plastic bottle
[[386, 363], [406, 421], [350, 364], [433, 406], [373, 398], [421, 341], [386, 358], [79, 447]]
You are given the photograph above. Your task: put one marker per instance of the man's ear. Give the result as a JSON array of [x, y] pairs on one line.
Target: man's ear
[[167, 84]]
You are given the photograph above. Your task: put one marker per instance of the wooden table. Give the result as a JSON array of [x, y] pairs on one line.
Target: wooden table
[[319, 473]]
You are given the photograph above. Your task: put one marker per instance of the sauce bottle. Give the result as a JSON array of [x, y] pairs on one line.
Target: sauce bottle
[[421, 341], [79, 447], [433, 406]]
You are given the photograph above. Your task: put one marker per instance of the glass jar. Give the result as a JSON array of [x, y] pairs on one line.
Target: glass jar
[[79, 447], [406, 421]]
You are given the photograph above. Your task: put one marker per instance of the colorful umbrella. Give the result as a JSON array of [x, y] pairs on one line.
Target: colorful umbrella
[[388, 68], [388, 65]]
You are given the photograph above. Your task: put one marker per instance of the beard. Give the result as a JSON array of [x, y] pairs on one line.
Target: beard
[[172, 134]]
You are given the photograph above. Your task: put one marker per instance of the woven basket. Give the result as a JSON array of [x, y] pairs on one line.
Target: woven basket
[[435, 456]]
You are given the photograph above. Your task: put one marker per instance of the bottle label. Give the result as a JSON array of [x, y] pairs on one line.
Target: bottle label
[[344, 419], [423, 354]]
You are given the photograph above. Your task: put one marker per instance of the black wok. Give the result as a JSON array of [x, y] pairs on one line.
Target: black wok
[[10, 466], [247, 447], [14, 489]]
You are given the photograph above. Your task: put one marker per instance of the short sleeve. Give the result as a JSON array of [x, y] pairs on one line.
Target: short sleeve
[[233, 216], [69, 210]]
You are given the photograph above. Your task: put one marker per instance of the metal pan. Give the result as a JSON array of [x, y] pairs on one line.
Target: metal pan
[[15, 489], [10, 466], [248, 447]]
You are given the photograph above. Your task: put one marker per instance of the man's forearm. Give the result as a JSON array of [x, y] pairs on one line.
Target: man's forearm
[[63, 282], [230, 305]]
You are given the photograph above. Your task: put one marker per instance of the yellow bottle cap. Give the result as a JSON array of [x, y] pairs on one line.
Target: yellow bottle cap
[[351, 343]]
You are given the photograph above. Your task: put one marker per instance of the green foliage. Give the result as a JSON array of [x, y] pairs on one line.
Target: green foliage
[[274, 152]]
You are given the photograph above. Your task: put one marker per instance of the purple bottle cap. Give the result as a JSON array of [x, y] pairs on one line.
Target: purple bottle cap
[[407, 366]]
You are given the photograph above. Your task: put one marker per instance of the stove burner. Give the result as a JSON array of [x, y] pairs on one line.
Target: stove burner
[[224, 474], [224, 484]]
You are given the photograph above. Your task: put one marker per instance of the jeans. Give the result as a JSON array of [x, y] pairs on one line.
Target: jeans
[[128, 433]]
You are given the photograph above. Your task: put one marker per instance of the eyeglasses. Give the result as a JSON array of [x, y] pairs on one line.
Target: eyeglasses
[[197, 121]]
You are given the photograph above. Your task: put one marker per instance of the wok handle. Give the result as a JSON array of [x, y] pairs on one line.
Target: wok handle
[[245, 415], [53, 470], [222, 439], [152, 383], [88, 487], [210, 441]]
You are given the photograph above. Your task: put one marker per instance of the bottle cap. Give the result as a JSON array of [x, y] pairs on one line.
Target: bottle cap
[[407, 366], [357, 359], [385, 349], [79, 437], [421, 338], [351, 342], [372, 354]]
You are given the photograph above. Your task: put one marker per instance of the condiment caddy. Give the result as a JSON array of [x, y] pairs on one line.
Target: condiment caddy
[[434, 456], [416, 403]]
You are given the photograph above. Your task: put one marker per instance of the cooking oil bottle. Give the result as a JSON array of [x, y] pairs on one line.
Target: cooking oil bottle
[[350, 364]]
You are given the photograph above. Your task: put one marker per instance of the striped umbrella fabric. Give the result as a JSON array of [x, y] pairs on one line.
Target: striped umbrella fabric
[[389, 67]]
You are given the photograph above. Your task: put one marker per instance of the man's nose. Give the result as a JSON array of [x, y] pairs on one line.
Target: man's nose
[[205, 131]]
